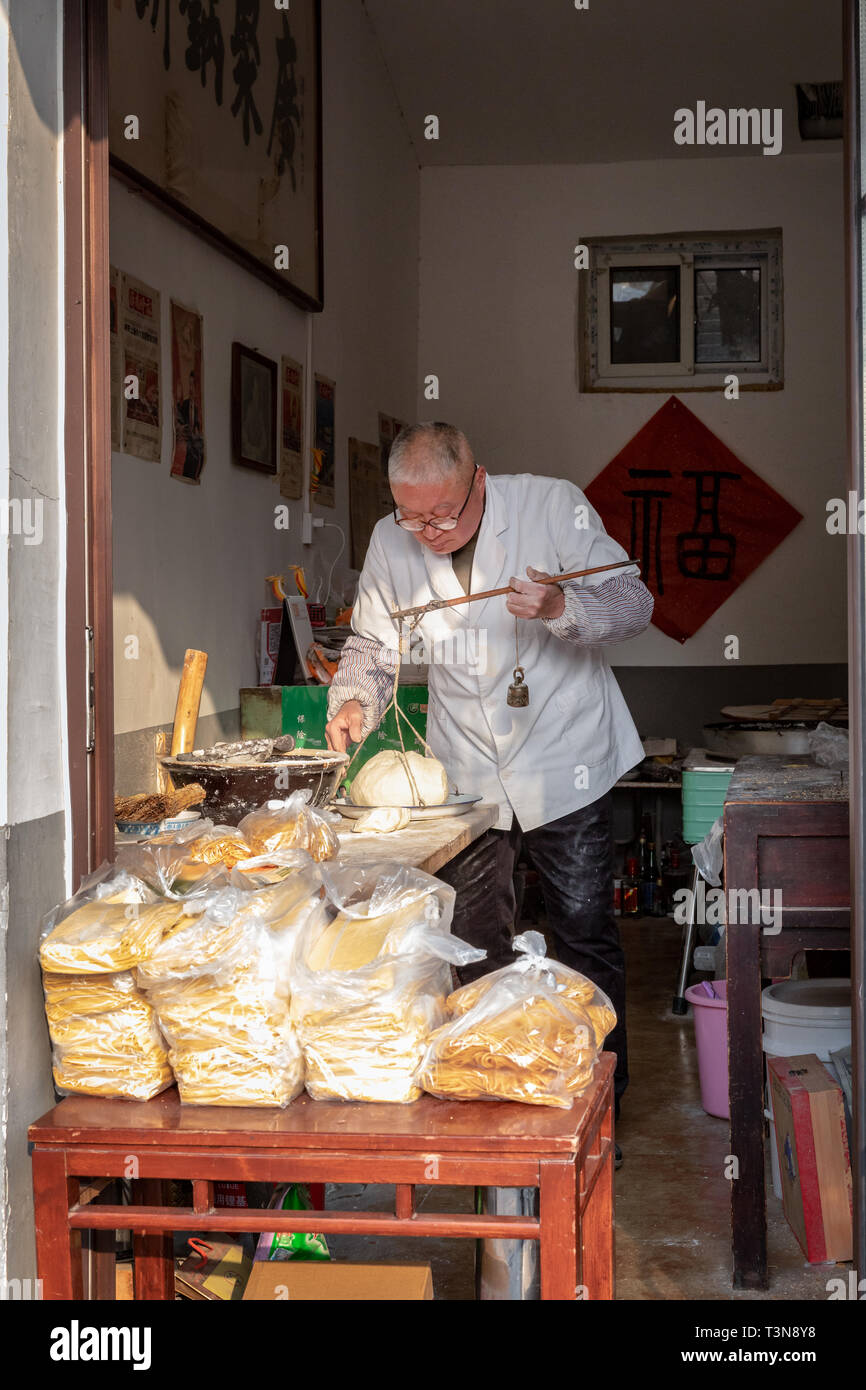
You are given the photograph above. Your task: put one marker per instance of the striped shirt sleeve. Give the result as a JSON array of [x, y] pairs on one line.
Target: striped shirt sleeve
[[599, 614], [366, 674]]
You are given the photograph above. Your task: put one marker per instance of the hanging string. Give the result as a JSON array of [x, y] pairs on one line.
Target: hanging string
[[399, 714]]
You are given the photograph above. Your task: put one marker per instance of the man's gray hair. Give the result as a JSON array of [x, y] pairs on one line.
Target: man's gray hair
[[431, 451]]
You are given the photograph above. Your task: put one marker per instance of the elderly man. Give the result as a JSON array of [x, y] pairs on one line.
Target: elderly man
[[548, 765]]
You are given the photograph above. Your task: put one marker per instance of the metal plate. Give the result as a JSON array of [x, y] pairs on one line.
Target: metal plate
[[454, 806]]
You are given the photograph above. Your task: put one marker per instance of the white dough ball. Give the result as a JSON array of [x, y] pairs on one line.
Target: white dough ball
[[385, 781]]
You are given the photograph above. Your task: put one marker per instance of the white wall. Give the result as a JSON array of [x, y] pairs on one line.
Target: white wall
[[31, 461], [498, 310], [190, 562], [32, 588]]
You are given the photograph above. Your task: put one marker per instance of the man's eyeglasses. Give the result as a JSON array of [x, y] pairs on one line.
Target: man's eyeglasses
[[439, 523]]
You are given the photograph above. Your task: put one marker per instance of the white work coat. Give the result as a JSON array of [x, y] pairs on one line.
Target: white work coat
[[576, 736]]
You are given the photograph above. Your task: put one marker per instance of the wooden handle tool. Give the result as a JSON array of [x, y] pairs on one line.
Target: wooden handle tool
[[188, 701]]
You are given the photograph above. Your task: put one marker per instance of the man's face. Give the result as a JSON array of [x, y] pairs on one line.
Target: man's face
[[421, 501]]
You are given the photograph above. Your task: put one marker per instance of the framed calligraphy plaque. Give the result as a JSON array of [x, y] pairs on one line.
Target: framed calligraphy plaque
[[215, 113]]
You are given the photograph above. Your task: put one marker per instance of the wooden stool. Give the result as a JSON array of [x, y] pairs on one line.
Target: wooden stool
[[566, 1154]]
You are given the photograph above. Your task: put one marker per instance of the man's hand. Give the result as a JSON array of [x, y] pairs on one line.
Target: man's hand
[[346, 726], [534, 600]]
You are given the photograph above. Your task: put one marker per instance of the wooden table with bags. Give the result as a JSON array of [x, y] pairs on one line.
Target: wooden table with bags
[[566, 1154], [377, 1132]]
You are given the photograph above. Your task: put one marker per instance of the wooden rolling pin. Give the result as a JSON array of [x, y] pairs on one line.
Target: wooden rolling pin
[[188, 701]]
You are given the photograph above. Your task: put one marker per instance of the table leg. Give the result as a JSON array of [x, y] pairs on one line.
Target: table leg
[[558, 1215], [99, 1250], [152, 1251], [597, 1221], [746, 1093], [58, 1249]]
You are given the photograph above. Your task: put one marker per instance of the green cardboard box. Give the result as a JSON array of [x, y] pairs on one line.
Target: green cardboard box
[[267, 711]]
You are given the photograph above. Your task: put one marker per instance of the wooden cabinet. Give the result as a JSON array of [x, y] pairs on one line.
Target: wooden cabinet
[[786, 832]]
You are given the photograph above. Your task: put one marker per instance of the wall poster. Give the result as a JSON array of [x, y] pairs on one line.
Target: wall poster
[[140, 351], [291, 428], [692, 514], [324, 448], [366, 503], [187, 390]]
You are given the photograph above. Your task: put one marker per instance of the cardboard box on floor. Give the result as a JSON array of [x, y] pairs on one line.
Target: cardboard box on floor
[[813, 1156], [323, 1280], [216, 1271]]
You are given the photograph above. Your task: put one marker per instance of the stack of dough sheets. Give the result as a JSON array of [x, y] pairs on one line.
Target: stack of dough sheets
[[105, 1037], [230, 1043], [107, 936], [199, 940], [364, 1005], [221, 992]]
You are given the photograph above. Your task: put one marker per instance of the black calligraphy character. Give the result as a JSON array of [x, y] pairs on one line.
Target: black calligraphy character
[[706, 552], [286, 111], [141, 8], [245, 47], [206, 44], [644, 502]]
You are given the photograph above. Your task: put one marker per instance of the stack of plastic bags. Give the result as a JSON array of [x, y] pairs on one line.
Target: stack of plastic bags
[[370, 979], [221, 989], [201, 856], [530, 1032], [104, 1035]]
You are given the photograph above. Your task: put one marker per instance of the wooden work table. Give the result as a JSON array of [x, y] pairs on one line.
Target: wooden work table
[[425, 844], [786, 830]]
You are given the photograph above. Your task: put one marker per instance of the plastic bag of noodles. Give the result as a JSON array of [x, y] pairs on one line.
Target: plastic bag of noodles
[[104, 1036], [222, 999], [370, 979], [283, 904], [292, 824], [211, 935], [186, 862], [265, 870], [530, 1032], [109, 925]]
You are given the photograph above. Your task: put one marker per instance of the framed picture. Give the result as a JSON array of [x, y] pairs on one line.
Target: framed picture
[[254, 410], [187, 387], [215, 113]]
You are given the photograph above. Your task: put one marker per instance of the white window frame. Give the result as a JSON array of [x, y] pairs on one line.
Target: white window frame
[[691, 252], [685, 363]]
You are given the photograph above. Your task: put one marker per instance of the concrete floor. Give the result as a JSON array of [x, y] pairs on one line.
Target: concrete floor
[[672, 1199]]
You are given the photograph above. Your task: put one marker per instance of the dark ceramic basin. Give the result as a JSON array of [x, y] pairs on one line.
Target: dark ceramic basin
[[233, 790]]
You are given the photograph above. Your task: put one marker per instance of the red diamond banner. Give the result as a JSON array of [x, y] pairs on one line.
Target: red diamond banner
[[693, 515]]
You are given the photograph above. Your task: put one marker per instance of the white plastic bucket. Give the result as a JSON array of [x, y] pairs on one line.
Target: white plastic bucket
[[802, 1016]]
